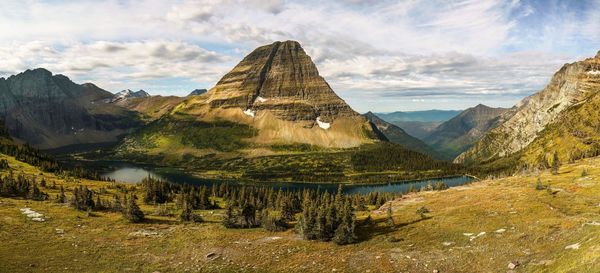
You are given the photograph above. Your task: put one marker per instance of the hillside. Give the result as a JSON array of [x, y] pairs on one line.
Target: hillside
[[520, 126], [396, 135], [458, 134], [50, 111], [492, 222], [150, 107]]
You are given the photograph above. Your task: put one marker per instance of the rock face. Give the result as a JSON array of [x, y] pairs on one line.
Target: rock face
[[459, 133], [396, 135], [517, 128], [282, 79], [50, 111]]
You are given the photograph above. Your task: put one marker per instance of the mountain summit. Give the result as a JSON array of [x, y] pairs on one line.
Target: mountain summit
[[277, 89], [282, 79]]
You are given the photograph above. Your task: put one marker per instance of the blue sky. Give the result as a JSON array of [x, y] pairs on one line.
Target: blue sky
[[377, 55]]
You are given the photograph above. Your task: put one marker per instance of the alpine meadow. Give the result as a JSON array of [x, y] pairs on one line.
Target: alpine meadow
[[300, 136]]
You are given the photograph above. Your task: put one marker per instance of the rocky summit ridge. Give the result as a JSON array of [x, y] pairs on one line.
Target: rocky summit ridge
[[520, 126]]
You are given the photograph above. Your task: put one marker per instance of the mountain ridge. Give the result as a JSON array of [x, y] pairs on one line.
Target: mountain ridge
[[572, 84]]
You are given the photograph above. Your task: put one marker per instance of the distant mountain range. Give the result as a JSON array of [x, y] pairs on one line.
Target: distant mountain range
[[197, 92], [458, 134], [395, 134], [418, 123]]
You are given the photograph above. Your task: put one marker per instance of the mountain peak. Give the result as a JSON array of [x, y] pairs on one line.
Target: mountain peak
[[282, 78], [197, 92], [598, 55]]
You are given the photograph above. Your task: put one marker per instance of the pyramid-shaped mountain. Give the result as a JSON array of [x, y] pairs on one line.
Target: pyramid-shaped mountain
[[277, 90], [281, 78]]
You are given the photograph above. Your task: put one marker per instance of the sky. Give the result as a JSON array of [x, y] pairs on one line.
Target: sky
[[380, 56]]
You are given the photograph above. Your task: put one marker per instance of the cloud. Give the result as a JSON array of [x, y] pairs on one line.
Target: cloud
[[108, 63], [368, 50]]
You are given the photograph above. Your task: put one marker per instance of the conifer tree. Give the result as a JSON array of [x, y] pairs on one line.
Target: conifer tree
[[555, 163], [133, 213]]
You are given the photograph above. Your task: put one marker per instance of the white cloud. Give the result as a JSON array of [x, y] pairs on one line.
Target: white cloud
[[368, 50]]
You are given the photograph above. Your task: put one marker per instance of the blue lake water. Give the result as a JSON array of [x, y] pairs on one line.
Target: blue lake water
[[134, 174]]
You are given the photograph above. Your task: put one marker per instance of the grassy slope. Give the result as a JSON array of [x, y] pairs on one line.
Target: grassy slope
[[538, 226], [575, 135]]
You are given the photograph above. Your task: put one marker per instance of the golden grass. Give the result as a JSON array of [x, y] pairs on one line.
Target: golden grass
[[538, 225]]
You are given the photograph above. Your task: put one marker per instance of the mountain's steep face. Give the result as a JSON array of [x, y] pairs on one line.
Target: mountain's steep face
[[396, 135], [459, 133], [277, 90], [50, 111], [282, 79], [517, 128]]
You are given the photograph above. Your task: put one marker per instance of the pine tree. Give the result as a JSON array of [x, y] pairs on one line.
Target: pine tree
[[555, 163], [390, 218], [344, 234], [229, 218], [133, 213], [61, 198]]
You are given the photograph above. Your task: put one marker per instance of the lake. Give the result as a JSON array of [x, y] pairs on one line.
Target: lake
[[133, 174]]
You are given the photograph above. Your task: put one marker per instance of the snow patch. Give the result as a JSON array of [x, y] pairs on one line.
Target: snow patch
[[594, 72], [324, 125], [249, 112], [260, 99]]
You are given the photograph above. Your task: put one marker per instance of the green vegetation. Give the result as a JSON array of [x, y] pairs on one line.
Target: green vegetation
[[224, 136]]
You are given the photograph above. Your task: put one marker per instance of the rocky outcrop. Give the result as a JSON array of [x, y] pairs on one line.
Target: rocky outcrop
[[517, 128], [459, 133], [51, 111], [282, 79]]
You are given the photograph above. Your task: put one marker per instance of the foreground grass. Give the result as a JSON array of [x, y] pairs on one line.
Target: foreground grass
[[521, 224]]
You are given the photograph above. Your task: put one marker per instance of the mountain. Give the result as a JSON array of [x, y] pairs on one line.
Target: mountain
[[197, 92], [396, 135], [274, 96], [127, 94], [418, 123], [573, 85], [274, 118], [459, 133], [50, 111]]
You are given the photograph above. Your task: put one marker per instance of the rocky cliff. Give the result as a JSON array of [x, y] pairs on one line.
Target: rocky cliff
[[520, 126]]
